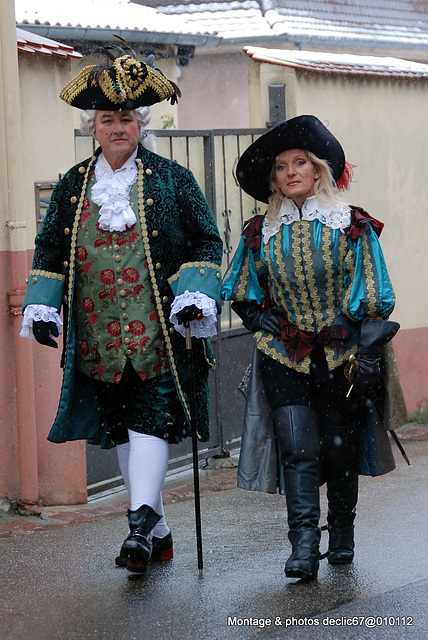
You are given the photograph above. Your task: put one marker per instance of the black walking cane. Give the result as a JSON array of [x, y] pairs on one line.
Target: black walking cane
[[192, 398]]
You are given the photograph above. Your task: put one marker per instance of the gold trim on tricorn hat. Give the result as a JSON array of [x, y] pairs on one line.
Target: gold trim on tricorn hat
[[128, 83]]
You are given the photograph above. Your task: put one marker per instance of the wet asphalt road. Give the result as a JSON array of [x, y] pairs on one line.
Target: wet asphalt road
[[61, 583]]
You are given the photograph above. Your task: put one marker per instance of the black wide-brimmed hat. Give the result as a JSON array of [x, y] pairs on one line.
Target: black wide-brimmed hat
[[303, 132], [127, 83]]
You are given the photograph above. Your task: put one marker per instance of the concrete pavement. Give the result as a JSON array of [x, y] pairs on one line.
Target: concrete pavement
[[58, 580]]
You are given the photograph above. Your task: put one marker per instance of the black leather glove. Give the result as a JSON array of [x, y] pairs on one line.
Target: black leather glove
[[374, 335], [187, 314], [44, 331], [254, 318]]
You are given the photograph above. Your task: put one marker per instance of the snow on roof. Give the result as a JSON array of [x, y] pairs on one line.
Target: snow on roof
[[339, 63], [398, 22], [32, 43], [107, 14]]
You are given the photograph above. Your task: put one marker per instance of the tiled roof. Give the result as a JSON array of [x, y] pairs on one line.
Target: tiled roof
[[104, 14], [32, 43], [335, 63], [384, 21]]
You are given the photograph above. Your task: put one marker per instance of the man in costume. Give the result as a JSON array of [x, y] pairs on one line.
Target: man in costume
[[129, 250]]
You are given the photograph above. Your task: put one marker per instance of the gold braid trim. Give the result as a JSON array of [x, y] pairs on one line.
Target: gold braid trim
[[74, 233], [47, 274], [243, 280], [145, 236], [262, 343], [350, 266], [278, 288], [208, 265], [368, 268], [313, 304]]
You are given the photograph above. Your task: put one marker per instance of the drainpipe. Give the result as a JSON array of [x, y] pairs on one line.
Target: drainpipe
[[13, 168]]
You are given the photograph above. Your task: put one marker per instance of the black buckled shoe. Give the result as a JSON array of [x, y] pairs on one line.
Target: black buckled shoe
[[136, 550]]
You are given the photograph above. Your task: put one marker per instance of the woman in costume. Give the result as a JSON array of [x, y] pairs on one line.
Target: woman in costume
[[309, 280]]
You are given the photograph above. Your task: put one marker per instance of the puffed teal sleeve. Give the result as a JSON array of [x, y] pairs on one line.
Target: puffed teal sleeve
[[368, 291], [241, 281]]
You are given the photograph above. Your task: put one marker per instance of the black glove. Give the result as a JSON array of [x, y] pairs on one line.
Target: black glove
[[44, 331], [254, 318], [187, 314], [374, 335]]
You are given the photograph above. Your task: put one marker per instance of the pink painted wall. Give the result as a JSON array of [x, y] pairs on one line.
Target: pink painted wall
[[411, 351], [61, 468], [9, 469]]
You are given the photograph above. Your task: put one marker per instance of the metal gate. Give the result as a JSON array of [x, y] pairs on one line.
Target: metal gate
[[211, 155]]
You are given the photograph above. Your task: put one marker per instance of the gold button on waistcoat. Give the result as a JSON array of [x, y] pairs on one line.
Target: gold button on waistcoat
[[202, 272], [34, 279], [118, 258], [122, 293], [82, 169], [166, 435], [119, 281], [115, 236], [149, 172], [155, 233], [123, 305], [116, 247], [65, 264], [165, 299], [125, 316], [118, 269], [128, 352], [149, 201], [171, 330], [126, 328], [73, 199], [218, 275], [66, 231], [127, 340], [158, 265]]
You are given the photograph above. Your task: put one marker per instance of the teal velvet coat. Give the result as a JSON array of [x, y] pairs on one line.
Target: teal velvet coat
[[183, 250]]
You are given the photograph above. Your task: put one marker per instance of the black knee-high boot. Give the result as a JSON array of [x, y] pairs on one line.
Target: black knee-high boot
[[340, 458], [137, 548], [297, 434]]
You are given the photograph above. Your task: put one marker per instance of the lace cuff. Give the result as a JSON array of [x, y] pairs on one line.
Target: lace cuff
[[205, 328], [36, 312]]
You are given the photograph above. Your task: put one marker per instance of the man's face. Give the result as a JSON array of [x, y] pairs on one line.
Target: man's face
[[117, 132]]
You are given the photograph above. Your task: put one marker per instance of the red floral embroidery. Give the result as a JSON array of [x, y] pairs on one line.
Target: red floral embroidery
[[93, 318], [84, 347], [130, 275], [117, 378], [113, 328], [107, 276], [81, 254], [88, 305], [153, 315], [116, 345], [137, 328], [143, 375]]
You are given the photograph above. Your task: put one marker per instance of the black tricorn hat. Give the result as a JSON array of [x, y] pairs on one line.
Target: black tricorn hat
[[127, 83], [302, 132]]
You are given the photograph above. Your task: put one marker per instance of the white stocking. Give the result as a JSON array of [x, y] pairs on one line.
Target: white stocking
[[143, 462]]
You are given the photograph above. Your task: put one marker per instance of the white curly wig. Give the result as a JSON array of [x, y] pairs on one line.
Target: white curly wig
[[148, 139]]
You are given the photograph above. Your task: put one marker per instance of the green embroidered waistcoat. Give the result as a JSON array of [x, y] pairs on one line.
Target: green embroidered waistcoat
[[115, 315]]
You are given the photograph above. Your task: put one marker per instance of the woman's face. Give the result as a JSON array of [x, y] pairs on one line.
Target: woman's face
[[295, 175]]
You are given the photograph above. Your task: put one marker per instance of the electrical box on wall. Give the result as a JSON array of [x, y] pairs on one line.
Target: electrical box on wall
[[276, 104]]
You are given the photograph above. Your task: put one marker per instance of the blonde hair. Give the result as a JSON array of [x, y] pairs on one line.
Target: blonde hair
[[324, 188]]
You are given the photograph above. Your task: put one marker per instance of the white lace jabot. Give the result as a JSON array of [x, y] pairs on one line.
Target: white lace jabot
[[312, 209], [111, 194]]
